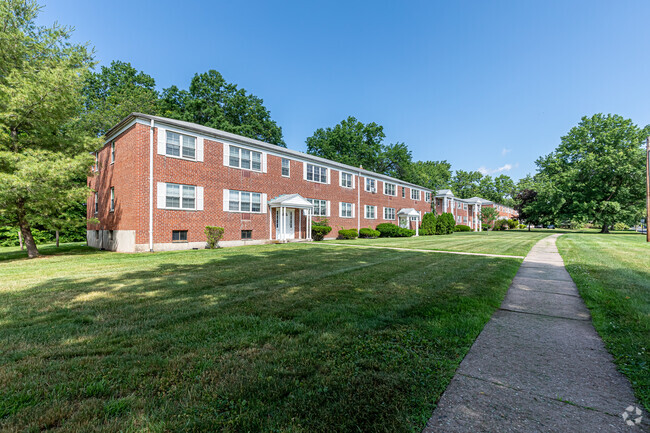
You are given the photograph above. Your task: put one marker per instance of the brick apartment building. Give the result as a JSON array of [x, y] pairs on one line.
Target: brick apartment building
[[160, 181]]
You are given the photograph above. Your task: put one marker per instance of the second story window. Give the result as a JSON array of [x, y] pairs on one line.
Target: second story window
[[427, 196], [346, 180], [316, 173], [112, 198], [112, 151], [286, 167], [371, 185], [403, 192], [390, 189], [180, 145], [415, 194], [246, 159]]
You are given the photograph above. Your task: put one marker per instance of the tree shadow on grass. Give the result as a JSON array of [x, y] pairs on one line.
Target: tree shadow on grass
[[72, 248]]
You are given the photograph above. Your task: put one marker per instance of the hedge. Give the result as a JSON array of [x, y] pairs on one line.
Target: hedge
[[428, 226], [388, 230], [463, 228], [445, 224], [405, 233], [369, 233], [320, 229], [348, 234]]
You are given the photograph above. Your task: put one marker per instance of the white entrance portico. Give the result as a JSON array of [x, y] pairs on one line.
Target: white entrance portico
[[405, 216], [286, 207]]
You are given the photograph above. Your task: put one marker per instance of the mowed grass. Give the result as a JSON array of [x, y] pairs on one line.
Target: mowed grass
[[612, 273], [511, 243], [275, 338]]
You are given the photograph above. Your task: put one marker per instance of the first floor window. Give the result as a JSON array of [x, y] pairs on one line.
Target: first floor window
[[346, 180], [371, 212], [316, 173], [180, 196], [389, 213], [286, 167], [346, 210], [112, 198], [390, 189], [415, 194], [371, 185], [320, 207], [244, 201], [246, 234], [179, 235]]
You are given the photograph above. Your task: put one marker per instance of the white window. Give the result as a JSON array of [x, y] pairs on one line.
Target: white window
[[371, 212], [460, 205], [371, 185], [427, 196], [244, 158], [320, 206], [465, 220], [389, 213], [316, 173], [346, 179], [180, 145], [112, 151], [345, 210], [112, 198], [96, 203], [180, 196], [415, 194], [286, 167], [464, 206], [390, 189], [244, 201]]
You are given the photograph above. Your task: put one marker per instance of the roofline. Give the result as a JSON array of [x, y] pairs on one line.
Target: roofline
[[217, 133]]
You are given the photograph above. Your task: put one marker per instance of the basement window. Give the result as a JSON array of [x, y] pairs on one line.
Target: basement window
[[179, 236], [247, 234]]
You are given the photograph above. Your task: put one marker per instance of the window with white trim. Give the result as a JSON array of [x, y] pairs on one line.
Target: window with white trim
[[415, 194], [427, 196], [346, 179], [180, 145], [316, 173], [180, 196], [371, 212], [244, 201], [112, 151], [286, 167], [320, 206], [389, 213], [464, 206], [460, 205], [345, 210], [371, 185], [112, 198], [245, 159], [390, 189]]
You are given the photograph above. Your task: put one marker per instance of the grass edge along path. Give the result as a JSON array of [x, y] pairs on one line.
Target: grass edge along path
[[260, 338], [612, 273]]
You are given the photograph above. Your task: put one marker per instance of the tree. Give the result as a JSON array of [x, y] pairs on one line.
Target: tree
[[213, 102], [525, 201], [488, 217], [504, 188], [597, 170], [465, 184], [428, 226], [44, 148], [113, 93], [434, 175]]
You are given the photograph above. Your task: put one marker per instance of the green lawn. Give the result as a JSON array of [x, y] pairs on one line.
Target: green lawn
[[612, 273], [291, 338], [512, 243]]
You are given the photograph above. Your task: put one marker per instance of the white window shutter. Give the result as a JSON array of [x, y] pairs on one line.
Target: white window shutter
[[340, 209], [330, 173], [226, 155], [162, 144], [263, 205], [226, 198], [327, 212], [304, 170], [161, 189], [199, 149], [199, 198], [353, 179], [340, 178], [264, 154], [352, 210]]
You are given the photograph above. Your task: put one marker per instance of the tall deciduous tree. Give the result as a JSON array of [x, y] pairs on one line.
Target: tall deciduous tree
[[213, 102], [44, 148], [598, 170], [114, 92], [430, 174]]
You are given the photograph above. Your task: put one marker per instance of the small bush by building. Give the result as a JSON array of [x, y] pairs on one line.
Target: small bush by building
[[320, 229], [512, 224], [369, 233], [387, 230], [463, 228], [213, 235], [348, 234], [500, 225], [405, 233]]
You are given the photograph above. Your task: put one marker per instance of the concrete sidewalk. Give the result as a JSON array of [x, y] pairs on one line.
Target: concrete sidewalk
[[538, 365]]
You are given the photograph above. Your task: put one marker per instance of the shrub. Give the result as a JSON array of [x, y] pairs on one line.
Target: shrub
[[368, 233], [348, 234], [214, 235], [512, 224], [405, 233], [428, 226], [621, 226], [320, 229], [522, 226], [463, 228], [500, 225], [445, 224], [388, 230]]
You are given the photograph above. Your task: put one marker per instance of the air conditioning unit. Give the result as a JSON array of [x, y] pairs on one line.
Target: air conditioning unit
[[373, 190]]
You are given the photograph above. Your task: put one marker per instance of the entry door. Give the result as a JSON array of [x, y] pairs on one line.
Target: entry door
[[403, 222], [290, 231]]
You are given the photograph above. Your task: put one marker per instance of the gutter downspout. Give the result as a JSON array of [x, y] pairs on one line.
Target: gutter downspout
[[151, 187]]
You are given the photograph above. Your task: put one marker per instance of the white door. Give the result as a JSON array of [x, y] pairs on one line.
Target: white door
[[403, 222], [289, 228]]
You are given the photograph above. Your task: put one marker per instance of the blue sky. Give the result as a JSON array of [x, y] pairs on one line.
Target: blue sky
[[488, 85]]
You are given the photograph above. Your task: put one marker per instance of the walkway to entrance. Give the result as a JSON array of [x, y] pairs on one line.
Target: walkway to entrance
[[539, 364]]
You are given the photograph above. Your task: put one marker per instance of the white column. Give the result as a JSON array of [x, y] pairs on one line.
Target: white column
[[444, 205], [309, 226], [284, 223], [299, 224], [270, 223], [417, 227]]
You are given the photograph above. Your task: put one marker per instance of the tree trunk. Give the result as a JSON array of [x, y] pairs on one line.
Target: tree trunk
[[26, 231], [20, 240], [528, 227], [57, 239], [605, 229]]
